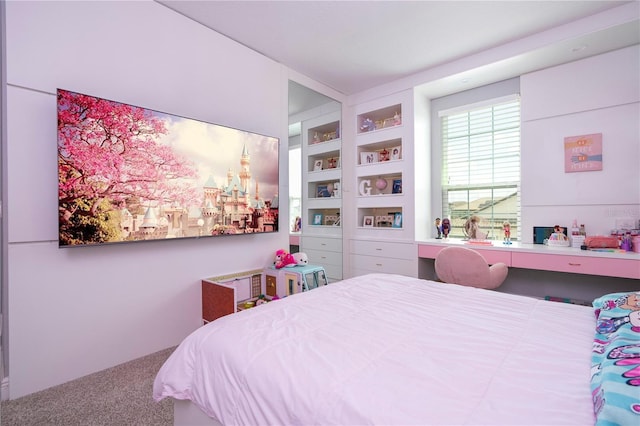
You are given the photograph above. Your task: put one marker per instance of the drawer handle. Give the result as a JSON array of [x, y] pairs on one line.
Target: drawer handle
[[379, 249], [575, 264], [378, 264], [322, 257], [323, 244]]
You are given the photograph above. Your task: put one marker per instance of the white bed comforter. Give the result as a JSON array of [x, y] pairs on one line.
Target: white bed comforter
[[390, 350]]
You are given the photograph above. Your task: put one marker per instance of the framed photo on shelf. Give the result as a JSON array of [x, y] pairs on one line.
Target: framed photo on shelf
[[397, 186], [368, 157], [383, 155], [397, 220], [317, 219], [317, 165], [332, 163], [367, 222], [322, 191], [396, 152], [330, 219], [384, 221]]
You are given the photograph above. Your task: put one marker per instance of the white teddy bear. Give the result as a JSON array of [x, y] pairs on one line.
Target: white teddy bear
[[301, 259]]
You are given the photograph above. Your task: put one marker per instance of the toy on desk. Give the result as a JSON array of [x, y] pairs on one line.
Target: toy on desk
[[438, 228], [626, 243], [558, 237], [301, 259], [283, 259], [506, 227], [446, 227], [472, 230]]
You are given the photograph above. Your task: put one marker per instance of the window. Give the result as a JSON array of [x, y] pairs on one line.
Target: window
[[481, 166]]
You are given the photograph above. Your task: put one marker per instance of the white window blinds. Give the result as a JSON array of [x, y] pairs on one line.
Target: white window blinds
[[481, 165]]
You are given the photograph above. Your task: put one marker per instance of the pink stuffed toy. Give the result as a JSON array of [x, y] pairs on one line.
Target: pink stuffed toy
[[283, 258]]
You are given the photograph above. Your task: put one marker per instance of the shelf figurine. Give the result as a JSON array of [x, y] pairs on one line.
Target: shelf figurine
[[446, 227], [397, 120], [506, 227], [367, 125], [438, 228]]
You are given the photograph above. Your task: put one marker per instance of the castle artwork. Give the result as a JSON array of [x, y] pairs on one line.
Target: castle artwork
[[132, 174]]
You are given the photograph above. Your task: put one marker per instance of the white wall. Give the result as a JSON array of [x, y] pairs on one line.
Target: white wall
[[600, 94], [75, 311]]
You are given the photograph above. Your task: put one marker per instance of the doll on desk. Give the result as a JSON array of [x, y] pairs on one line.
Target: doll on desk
[[506, 227], [444, 229], [558, 234]]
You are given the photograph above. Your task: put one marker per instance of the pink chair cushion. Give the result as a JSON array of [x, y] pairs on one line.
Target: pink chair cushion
[[464, 266]]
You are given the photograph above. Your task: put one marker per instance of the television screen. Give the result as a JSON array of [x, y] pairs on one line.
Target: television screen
[[127, 173]]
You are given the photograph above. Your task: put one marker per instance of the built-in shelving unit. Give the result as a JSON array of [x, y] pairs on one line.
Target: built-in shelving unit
[[380, 169], [321, 234], [383, 187]]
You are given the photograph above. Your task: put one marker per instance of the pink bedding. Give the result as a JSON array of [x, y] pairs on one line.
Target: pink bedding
[[389, 349]]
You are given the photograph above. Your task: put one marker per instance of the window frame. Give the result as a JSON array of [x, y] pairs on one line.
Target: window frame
[[493, 226]]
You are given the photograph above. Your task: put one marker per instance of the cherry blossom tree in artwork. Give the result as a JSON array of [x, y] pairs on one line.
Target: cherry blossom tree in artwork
[[110, 152]]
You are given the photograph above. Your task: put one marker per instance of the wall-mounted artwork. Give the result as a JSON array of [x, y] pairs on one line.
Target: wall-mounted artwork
[[127, 174], [583, 153]]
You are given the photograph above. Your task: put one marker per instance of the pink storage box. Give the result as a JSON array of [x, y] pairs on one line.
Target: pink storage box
[[635, 241]]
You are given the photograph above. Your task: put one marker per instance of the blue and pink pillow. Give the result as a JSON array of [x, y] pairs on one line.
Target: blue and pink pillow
[[615, 366]]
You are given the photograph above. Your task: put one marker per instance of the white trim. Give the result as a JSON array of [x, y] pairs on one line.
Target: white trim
[[478, 105]]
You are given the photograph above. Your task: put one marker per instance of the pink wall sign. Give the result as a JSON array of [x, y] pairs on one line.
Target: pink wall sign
[[583, 153]]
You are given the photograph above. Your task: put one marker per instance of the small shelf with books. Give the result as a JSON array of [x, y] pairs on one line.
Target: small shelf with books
[[380, 185], [379, 119], [324, 189]]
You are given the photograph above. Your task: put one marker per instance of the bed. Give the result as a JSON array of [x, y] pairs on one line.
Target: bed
[[389, 350]]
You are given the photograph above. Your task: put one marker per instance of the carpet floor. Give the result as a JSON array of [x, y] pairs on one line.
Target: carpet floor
[[121, 395]]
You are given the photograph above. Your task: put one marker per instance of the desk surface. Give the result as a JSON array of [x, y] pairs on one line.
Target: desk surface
[[516, 246]]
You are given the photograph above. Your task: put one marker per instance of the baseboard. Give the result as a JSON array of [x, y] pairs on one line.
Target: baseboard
[[4, 389]]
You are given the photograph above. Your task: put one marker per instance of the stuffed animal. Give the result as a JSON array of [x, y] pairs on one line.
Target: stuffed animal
[[301, 259], [283, 258]]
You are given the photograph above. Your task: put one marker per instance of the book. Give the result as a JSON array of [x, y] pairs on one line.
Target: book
[[397, 186]]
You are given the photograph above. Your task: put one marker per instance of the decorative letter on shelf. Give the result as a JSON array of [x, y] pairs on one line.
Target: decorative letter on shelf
[[365, 187]]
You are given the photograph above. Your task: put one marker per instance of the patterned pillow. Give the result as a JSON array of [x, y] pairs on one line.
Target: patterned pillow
[[615, 366]]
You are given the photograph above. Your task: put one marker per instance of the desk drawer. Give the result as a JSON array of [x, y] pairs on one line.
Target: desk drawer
[[624, 268], [491, 256], [383, 249]]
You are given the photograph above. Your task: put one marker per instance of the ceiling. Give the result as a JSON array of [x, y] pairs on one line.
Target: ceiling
[[352, 46]]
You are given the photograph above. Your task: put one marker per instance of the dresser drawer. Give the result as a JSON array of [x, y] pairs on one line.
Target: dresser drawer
[[625, 268], [382, 264], [321, 243], [383, 249], [321, 257]]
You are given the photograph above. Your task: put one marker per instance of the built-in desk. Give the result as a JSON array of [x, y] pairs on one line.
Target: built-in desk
[[545, 258]]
